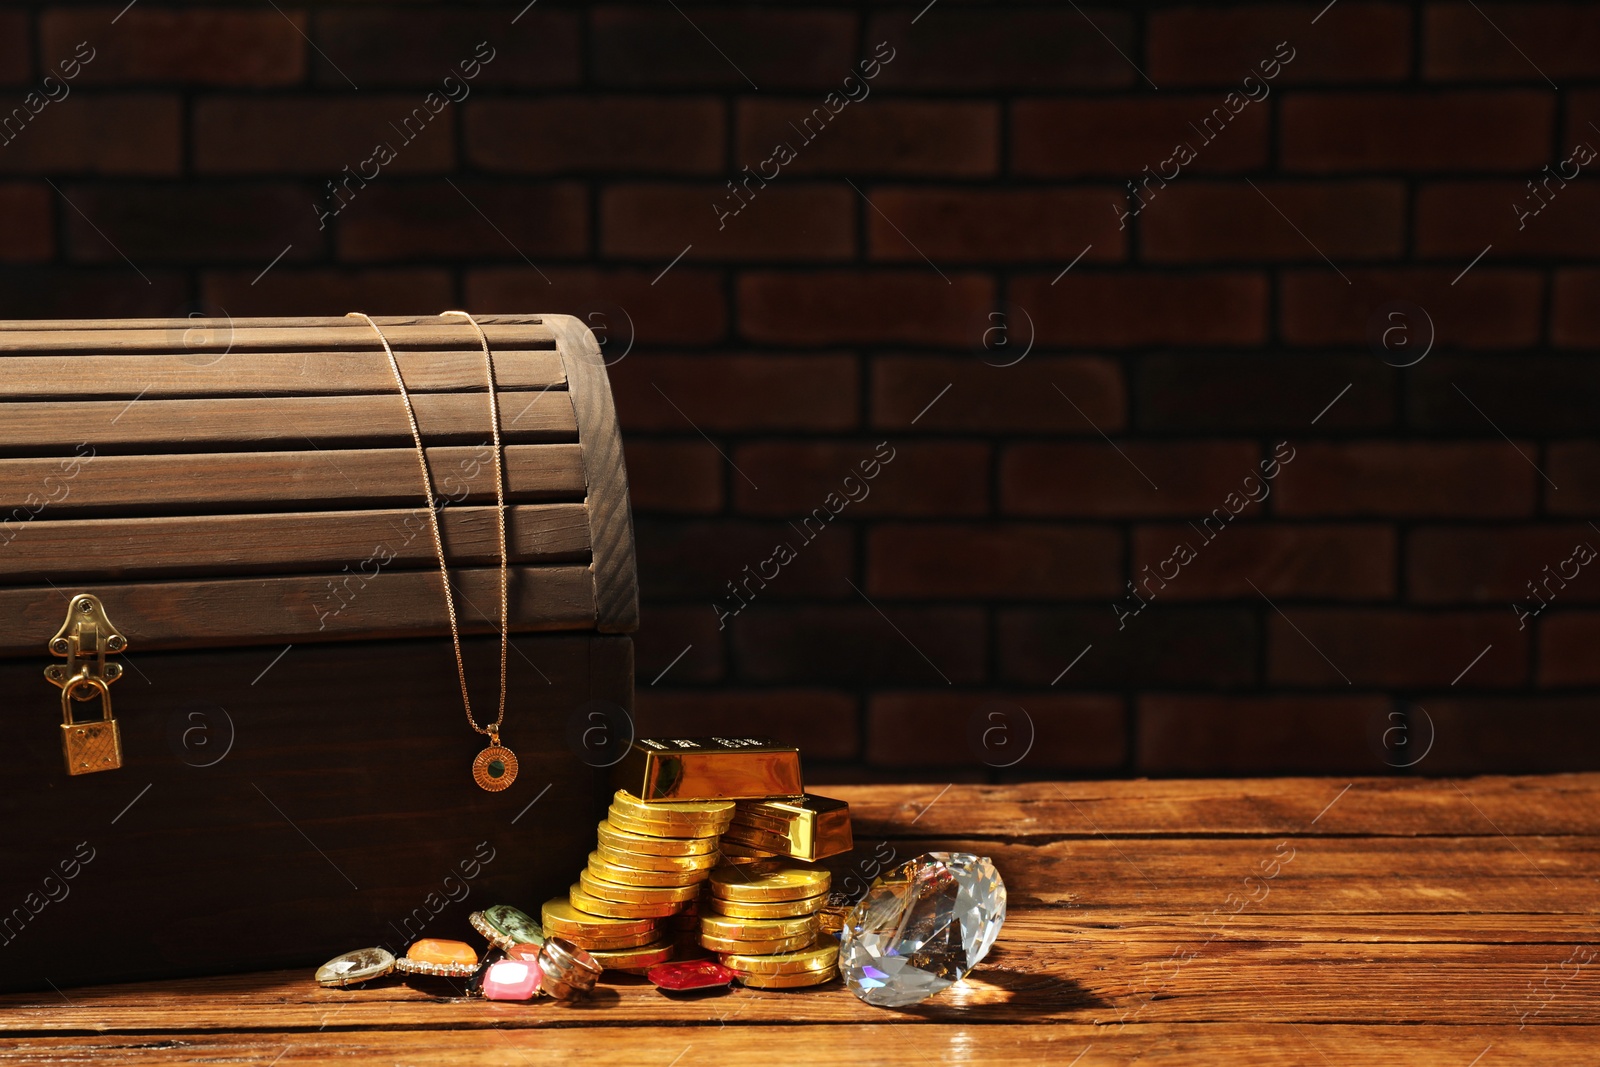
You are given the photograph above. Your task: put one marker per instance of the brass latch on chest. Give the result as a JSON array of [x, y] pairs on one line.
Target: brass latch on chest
[[84, 640]]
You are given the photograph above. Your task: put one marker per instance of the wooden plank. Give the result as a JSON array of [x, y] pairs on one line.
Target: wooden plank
[[217, 337], [253, 374], [359, 542], [1549, 804], [262, 423], [610, 515], [335, 478], [271, 322], [275, 610]]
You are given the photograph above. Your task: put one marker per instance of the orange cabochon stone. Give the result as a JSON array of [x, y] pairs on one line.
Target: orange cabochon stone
[[437, 950]]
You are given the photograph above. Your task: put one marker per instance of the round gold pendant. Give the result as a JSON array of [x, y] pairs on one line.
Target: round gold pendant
[[495, 768]]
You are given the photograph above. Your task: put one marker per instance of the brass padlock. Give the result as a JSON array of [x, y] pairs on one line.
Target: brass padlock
[[90, 746]]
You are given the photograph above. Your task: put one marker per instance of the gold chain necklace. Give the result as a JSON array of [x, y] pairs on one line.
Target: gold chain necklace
[[495, 767]]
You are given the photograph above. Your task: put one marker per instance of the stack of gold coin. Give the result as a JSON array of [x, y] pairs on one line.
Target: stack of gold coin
[[762, 919], [648, 866]]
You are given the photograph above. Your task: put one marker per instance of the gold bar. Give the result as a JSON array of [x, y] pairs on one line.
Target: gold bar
[[808, 827], [709, 768]]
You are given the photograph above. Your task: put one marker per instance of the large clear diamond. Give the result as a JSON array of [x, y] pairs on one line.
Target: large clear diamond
[[921, 928]]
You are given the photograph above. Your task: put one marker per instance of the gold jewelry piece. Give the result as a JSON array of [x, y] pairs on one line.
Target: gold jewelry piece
[[495, 768], [612, 909], [437, 970], [782, 882], [778, 909], [651, 845]]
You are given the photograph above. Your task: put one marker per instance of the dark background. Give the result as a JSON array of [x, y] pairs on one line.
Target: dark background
[[1360, 619]]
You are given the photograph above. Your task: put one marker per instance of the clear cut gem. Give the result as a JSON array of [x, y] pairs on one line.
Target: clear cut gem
[[921, 927]]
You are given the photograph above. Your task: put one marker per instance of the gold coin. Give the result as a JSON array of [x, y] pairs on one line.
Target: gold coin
[[737, 852], [689, 811], [776, 882], [634, 959], [661, 827], [635, 894], [775, 909], [787, 981], [651, 845], [732, 929], [622, 858], [759, 948], [612, 909], [823, 955], [560, 919], [610, 872]]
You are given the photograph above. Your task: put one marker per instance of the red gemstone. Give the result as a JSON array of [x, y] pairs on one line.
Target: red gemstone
[[684, 976]]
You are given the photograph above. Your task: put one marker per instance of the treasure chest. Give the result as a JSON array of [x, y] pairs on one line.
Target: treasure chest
[[234, 733]]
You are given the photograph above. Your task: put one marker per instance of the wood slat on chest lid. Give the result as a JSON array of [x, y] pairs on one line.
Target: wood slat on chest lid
[[217, 336]]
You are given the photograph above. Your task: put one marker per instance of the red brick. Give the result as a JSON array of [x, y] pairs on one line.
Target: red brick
[[1386, 479], [838, 307], [684, 307], [1473, 42], [1094, 478], [638, 46], [668, 632], [1575, 312], [1205, 392], [475, 219], [1121, 136], [1002, 226], [173, 223], [943, 478], [1468, 130], [1130, 310], [744, 392], [853, 644], [16, 65], [1486, 308], [824, 723], [1202, 222], [131, 133], [27, 223], [1284, 562], [387, 46], [246, 135], [1021, 731], [1459, 218], [41, 292], [1010, 561], [192, 46], [996, 396], [1575, 467], [697, 559], [1566, 649], [784, 222], [1201, 734], [1385, 647], [610, 134], [1513, 735], [1494, 564], [912, 137], [1353, 42], [1006, 48], [1166, 645], [1537, 395], [676, 477], [287, 290], [1582, 107]]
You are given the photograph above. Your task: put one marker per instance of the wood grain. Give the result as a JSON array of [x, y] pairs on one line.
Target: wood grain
[[161, 373], [215, 337], [351, 544], [261, 423], [616, 580]]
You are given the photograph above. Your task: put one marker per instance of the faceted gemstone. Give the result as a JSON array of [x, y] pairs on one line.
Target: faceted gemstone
[[512, 980], [689, 976], [921, 927], [353, 968], [437, 950]]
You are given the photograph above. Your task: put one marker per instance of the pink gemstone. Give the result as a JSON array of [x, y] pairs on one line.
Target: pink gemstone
[[512, 980]]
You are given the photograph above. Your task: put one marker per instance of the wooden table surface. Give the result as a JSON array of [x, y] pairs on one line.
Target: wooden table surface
[[1278, 921]]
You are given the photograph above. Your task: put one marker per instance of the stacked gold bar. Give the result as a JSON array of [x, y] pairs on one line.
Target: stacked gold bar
[[647, 868], [761, 919]]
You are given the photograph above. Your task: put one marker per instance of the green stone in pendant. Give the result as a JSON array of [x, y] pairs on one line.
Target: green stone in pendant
[[496, 768]]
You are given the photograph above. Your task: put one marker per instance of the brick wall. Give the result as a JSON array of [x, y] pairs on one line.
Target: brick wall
[[1080, 382]]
